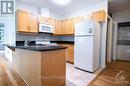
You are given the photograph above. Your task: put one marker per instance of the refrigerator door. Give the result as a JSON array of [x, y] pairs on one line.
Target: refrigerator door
[[84, 28], [83, 53]]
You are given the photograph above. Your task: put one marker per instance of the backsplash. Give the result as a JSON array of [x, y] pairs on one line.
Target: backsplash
[[65, 38], [24, 37], [42, 36]]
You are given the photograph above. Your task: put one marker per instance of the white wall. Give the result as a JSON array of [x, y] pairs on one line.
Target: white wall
[[26, 7], [121, 16], [102, 5]]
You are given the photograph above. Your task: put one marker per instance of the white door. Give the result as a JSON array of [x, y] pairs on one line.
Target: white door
[[83, 52]]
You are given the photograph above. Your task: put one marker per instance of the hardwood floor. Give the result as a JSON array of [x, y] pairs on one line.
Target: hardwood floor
[[109, 77]]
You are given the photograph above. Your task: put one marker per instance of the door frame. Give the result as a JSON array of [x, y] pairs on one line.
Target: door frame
[[109, 40], [115, 33]]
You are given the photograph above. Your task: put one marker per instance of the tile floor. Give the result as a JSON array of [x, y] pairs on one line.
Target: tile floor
[[76, 77]]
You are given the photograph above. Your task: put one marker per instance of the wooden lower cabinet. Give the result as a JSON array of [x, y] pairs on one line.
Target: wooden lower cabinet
[[70, 52], [47, 68]]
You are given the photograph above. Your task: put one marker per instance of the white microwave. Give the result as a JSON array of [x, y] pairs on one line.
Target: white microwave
[[46, 28]]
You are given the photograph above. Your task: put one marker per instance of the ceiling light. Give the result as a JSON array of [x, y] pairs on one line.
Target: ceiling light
[[62, 2]]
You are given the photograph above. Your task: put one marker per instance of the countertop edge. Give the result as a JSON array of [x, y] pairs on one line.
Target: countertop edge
[[38, 50]]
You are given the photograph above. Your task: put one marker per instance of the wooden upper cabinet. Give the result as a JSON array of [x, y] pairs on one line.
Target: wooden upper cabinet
[[43, 20], [33, 23], [58, 28], [46, 20], [22, 21], [65, 26], [51, 21], [26, 22], [99, 16], [68, 26]]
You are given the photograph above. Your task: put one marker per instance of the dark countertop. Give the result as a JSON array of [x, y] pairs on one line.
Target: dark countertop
[[39, 47], [20, 43], [63, 42]]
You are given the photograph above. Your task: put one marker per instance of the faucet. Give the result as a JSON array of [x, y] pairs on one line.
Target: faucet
[[27, 42]]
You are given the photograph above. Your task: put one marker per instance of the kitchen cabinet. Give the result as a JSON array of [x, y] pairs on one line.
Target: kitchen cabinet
[[68, 26], [70, 52], [29, 22], [22, 21], [43, 20], [99, 16], [52, 21], [33, 23], [58, 28], [64, 27], [26, 22], [46, 20]]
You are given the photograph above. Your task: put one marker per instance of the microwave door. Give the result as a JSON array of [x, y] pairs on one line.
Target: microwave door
[[46, 28]]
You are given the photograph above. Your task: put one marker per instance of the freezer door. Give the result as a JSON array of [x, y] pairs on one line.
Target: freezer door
[[84, 28], [83, 53]]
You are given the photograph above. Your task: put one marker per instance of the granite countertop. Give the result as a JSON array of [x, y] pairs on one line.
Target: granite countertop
[[39, 47], [63, 42]]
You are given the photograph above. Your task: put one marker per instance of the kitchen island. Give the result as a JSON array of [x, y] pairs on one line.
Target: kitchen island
[[40, 65]]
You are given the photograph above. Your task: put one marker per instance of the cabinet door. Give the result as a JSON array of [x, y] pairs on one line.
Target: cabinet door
[[58, 27], [46, 20], [72, 25], [52, 22], [22, 21], [69, 26], [99, 16], [33, 23], [43, 20], [70, 51]]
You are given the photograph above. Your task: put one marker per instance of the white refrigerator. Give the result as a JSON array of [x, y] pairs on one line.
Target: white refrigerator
[[87, 46]]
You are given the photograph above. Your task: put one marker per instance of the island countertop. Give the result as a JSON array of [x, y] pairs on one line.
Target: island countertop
[[39, 47]]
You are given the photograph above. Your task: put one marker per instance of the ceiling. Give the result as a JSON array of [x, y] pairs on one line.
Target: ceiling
[[59, 9], [118, 5]]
